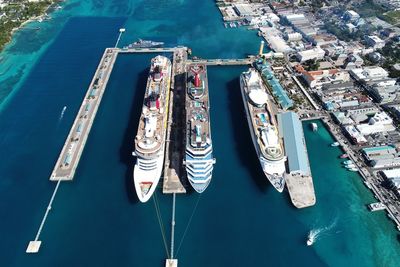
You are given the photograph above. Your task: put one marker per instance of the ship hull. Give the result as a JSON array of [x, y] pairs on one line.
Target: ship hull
[[199, 160], [277, 181], [140, 176], [150, 155]]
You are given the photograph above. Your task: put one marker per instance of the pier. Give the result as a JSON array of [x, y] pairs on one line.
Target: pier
[[174, 147], [150, 50], [174, 175], [171, 262], [222, 62], [71, 152], [371, 181], [34, 246]]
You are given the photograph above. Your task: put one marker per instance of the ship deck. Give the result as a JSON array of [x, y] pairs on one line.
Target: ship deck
[[266, 112], [197, 108], [146, 146], [301, 190]]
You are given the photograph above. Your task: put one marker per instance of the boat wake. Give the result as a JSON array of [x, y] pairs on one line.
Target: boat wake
[[62, 113], [319, 232]]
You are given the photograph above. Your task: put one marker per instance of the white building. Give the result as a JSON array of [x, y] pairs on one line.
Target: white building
[[385, 94], [380, 122], [315, 53], [318, 78], [351, 15], [369, 73], [374, 41], [294, 36], [355, 135], [243, 10], [274, 40]]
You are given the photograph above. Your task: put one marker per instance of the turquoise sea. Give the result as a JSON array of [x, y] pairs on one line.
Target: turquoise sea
[[96, 220]]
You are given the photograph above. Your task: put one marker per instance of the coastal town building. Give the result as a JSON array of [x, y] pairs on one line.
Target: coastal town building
[[379, 152], [323, 39], [315, 53], [374, 41], [275, 40], [368, 73], [318, 78], [379, 123], [243, 10], [354, 115], [351, 15], [393, 176], [295, 146], [385, 94]]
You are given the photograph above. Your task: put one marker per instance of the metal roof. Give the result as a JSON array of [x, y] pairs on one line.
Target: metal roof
[[277, 88], [291, 130]]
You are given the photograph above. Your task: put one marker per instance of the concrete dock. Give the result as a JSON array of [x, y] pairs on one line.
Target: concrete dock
[[222, 62], [71, 152], [151, 50], [299, 181], [174, 174], [301, 190]]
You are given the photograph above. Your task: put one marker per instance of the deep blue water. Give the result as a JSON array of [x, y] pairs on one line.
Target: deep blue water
[[96, 220]]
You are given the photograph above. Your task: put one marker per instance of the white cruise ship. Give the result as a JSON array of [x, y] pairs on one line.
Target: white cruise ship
[[199, 159], [150, 138], [263, 128]]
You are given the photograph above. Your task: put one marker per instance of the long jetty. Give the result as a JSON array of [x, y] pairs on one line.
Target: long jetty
[[173, 165], [150, 50], [70, 154], [222, 62]]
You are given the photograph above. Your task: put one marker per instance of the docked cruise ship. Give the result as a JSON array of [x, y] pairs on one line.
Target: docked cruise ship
[[199, 159], [150, 138], [263, 128]]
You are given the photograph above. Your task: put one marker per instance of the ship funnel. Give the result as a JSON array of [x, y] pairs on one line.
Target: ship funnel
[[197, 81]]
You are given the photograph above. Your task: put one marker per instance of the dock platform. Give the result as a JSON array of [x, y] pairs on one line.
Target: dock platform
[[173, 181], [171, 263], [301, 190], [33, 246], [71, 152], [151, 50], [223, 62], [299, 180]]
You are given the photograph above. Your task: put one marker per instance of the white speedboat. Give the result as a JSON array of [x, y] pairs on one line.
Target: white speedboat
[[310, 240]]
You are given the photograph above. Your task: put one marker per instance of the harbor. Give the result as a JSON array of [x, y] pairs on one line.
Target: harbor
[[99, 211], [382, 194]]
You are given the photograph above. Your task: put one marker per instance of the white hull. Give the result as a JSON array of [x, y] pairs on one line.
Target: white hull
[[274, 171], [150, 140], [199, 187], [146, 176]]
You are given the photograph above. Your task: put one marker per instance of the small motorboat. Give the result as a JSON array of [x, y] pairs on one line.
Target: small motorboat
[[310, 240]]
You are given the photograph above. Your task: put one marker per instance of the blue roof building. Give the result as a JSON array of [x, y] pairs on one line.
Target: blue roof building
[[277, 89], [291, 130]]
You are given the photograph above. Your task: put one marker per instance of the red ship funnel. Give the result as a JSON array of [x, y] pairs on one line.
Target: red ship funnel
[[197, 81]]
